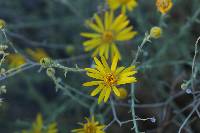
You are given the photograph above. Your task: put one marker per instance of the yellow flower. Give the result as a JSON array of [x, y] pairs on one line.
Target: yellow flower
[[124, 4], [155, 32], [2, 24], [107, 33], [15, 60], [37, 54], [108, 78], [123, 93], [91, 126], [164, 5], [38, 127]]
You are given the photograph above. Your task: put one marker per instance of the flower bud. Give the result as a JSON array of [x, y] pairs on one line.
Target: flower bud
[[50, 72], [123, 94], [70, 49], [46, 62], [155, 32], [2, 24]]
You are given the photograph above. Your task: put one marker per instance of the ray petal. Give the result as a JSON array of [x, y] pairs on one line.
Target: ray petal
[[116, 91]]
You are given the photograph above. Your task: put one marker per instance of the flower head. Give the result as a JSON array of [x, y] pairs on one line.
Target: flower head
[[156, 32], [15, 60], [91, 126], [37, 54], [70, 49], [38, 127], [2, 24], [124, 4], [108, 78], [107, 33], [164, 5]]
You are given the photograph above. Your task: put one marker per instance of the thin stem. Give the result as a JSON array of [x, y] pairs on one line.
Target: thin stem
[[185, 121], [139, 50], [133, 108]]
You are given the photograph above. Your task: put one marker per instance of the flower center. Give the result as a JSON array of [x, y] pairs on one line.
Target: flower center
[[108, 36], [90, 128], [110, 79]]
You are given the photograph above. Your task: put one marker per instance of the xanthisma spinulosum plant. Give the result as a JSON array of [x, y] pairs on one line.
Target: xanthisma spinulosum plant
[[112, 62]]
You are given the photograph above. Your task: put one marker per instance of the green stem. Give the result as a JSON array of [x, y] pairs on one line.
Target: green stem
[[133, 108]]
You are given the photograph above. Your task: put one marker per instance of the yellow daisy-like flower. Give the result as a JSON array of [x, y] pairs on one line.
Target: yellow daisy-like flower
[[108, 78], [124, 4], [37, 54], [91, 126], [164, 5], [15, 60], [108, 32], [38, 127]]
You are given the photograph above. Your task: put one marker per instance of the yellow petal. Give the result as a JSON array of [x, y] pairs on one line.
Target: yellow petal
[[102, 94], [91, 42], [131, 68], [99, 22], [115, 51], [116, 91], [118, 20], [126, 36], [92, 70], [98, 63], [113, 4], [107, 51], [97, 90], [95, 53], [126, 80], [96, 76], [92, 83], [105, 64], [120, 69], [102, 50], [114, 63], [126, 74], [107, 95], [95, 27], [106, 20], [122, 26], [90, 35]]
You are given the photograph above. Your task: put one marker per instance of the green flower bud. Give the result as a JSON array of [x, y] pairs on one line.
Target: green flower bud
[[2, 24], [70, 49], [50, 72], [155, 32], [46, 62]]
